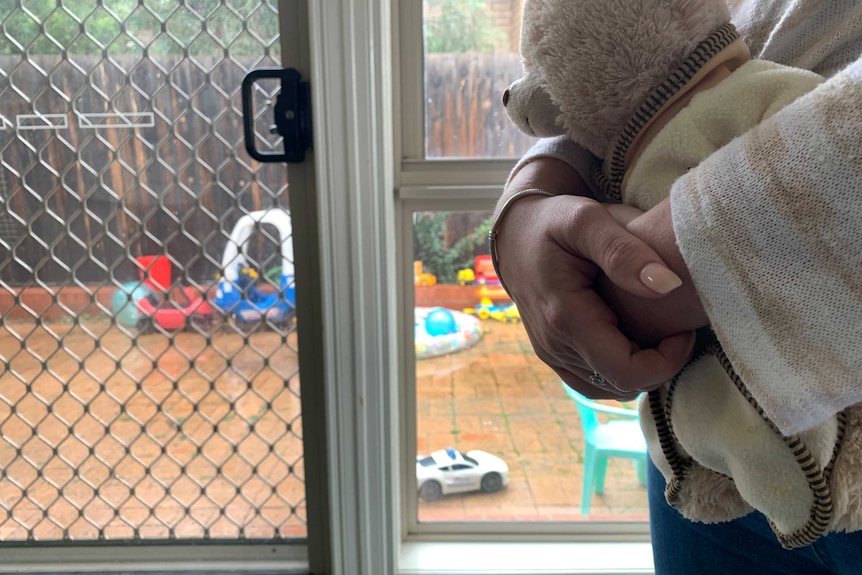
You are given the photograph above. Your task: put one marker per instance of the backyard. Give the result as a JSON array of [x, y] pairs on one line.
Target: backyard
[[110, 433], [499, 397], [104, 435]]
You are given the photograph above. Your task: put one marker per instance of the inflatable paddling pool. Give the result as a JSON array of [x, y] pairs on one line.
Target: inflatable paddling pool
[[439, 331]]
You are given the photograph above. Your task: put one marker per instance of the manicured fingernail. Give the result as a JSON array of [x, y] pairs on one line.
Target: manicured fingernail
[[659, 278]]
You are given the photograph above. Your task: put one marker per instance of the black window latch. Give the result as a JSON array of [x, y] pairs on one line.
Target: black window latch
[[292, 115]]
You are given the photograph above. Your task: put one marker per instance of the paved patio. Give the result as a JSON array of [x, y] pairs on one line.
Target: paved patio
[[151, 439], [146, 438], [498, 397]]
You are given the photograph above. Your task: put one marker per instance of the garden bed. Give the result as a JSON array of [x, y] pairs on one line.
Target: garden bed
[[451, 296], [56, 303]]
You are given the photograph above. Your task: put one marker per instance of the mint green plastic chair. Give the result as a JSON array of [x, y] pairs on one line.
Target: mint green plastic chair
[[619, 436]]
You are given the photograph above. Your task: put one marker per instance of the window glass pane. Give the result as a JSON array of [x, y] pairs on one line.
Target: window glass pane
[[471, 56], [508, 442]]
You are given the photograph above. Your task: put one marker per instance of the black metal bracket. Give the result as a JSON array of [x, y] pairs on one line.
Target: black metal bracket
[[292, 115]]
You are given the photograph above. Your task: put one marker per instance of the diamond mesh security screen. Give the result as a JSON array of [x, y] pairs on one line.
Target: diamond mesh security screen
[[149, 383]]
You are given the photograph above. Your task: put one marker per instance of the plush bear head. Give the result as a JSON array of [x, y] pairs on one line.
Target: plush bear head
[[590, 64]]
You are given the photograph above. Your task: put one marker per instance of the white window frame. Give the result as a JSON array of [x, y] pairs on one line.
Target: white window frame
[[369, 144], [445, 185]]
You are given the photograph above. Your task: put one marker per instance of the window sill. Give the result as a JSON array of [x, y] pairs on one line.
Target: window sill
[[433, 558]]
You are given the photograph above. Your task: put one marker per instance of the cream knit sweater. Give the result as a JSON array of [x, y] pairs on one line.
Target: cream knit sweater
[[770, 226]]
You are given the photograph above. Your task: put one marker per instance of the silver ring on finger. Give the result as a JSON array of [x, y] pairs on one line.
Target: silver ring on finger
[[597, 380]]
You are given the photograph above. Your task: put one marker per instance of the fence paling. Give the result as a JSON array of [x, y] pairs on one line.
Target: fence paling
[[464, 114], [136, 183], [121, 191]]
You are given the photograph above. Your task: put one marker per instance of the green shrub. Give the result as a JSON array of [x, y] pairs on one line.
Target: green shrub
[[433, 250], [457, 26]]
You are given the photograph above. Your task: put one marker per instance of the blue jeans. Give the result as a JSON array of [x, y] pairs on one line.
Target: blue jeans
[[745, 546]]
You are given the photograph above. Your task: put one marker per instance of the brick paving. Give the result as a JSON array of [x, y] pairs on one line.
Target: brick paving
[[178, 443], [148, 439], [498, 397]]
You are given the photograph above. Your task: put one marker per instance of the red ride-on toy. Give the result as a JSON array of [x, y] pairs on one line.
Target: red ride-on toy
[[170, 309], [484, 271]]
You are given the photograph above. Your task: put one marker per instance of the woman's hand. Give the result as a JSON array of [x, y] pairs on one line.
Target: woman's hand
[[551, 252], [648, 321]]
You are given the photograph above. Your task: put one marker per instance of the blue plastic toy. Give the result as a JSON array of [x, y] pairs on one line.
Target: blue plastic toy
[[238, 294], [123, 303], [440, 321]]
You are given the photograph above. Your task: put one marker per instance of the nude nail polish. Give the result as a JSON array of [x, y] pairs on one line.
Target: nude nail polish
[[659, 278]]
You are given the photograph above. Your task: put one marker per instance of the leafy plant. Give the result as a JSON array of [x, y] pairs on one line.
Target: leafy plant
[[456, 26], [121, 26], [433, 250]]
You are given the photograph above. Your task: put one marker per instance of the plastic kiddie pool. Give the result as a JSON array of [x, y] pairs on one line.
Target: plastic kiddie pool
[[439, 331]]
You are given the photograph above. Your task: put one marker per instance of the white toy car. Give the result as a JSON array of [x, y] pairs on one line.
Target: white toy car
[[450, 471]]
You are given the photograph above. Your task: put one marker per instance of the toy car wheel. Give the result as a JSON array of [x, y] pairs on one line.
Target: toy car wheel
[[431, 491], [492, 482], [483, 314]]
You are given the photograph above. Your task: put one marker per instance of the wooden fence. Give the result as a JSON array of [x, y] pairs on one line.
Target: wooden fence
[[464, 115], [77, 204]]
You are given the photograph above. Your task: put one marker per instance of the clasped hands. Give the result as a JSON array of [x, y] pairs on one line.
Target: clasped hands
[[600, 288]]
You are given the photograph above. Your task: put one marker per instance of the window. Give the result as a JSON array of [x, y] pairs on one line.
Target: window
[[480, 391], [473, 382], [470, 57], [368, 472]]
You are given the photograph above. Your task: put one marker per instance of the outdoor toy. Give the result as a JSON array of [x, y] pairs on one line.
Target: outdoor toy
[[124, 302], [488, 310], [151, 302], [494, 292], [486, 277], [238, 294], [451, 471], [440, 321], [169, 309], [422, 278], [484, 270], [174, 312], [443, 339], [466, 276]]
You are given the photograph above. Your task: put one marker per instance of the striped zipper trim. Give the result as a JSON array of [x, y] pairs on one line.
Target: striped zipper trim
[[818, 478], [611, 184]]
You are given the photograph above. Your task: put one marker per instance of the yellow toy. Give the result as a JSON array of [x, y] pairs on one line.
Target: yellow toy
[[422, 278], [487, 310]]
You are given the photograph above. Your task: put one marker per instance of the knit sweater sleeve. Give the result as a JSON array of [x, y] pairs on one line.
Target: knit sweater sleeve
[[770, 227], [565, 150]]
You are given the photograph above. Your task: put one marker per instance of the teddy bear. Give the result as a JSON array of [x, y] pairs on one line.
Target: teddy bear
[[651, 88]]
